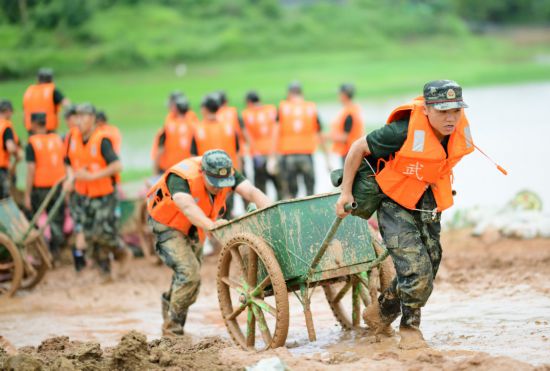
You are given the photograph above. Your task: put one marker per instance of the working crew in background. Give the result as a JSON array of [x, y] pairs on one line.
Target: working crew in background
[[297, 136], [99, 169], [348, 126], [174, 143], [259, 127], [420, 145], [227, 113], [43, 97], [183, 206], [211, 133], [74, 157], [45, 168], [8, 149], [172, 116], [113, 133]]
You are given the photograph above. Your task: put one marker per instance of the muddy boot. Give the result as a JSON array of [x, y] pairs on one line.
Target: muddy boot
[[165, 306], [123, 255], [79, 259], [380, 314], [173, 326], [409, 329], [105, 271]]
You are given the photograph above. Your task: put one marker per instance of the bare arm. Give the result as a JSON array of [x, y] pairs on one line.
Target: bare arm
[[253, 194], [192, 211], [359, 149]]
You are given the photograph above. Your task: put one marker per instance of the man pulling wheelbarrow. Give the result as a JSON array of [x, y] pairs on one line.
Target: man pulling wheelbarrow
[[414, 155], [183, 206]]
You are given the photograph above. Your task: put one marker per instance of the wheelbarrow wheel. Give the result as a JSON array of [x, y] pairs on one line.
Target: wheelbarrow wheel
[[252, 293], [348, 298], [36, 261], [11, 267]]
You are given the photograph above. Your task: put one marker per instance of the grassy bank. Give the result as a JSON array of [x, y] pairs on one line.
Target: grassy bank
[[135, 99]]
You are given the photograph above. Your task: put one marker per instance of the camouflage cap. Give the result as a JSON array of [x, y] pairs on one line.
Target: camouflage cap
[[218, 168], [85, 109], [444, 95]]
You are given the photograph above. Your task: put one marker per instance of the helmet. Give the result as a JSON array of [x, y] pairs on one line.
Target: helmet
[[295, 87], [45, 75], [5, 105], [211, 102], [348, 89], [182, 104], [252, 97]]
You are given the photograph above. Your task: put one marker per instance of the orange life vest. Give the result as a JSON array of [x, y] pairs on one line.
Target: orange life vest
[[177, 144], [94, 162], [338, 125], [39, 98], [4, 154], [48, 159], [259, 122], [230, 114], [166, 161], [164, 210], [74, 150], [422, 162], [298, 127], [113, 133], [217, 135]]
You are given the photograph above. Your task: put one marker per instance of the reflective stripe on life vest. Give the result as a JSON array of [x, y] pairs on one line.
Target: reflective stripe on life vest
[[259, 122], [48, 159], [297, 127]]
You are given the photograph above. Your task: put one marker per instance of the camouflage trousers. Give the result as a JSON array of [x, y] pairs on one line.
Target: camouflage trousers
[[4, 184], [262, 176], [38, 195], [413, 242], [100, 225], [293, 166], [179, 253], [77, 204]]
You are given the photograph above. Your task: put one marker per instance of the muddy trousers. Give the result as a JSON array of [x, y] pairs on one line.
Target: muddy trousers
[[38, 195], [293, 166], [178, 252], [262, 176], [414, 245], [100, 225]]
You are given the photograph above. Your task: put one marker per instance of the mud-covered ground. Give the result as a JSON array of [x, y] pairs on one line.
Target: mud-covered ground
[[490, 310]]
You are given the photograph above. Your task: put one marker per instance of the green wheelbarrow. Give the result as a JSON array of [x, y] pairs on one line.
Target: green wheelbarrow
[[295, 246], [24, 255]]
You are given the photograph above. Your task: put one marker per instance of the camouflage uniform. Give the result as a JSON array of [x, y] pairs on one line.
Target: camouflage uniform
[[4, 184], [38, 195], [262, 176], [291, 167], [179, 252], [77, 203], [101, 228]]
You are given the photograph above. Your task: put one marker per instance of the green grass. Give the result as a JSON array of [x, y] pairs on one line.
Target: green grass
[[135, 99]]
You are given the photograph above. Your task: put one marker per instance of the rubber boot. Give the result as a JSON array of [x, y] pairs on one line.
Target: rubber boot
[[123, 255], [409, 329], [380, 314], [173, 326], [105, 270], [79, 259]]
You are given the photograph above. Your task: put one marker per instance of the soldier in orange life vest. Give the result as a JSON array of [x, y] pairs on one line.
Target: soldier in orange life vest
[[8, 148], [45, 98], [259, 126], [160, 160], [211, 133], [174, 144], [227, 113], [112, 131], [98, 167], [183, 206], [348, 126], [45, 168], [420, 145], [297, 136]]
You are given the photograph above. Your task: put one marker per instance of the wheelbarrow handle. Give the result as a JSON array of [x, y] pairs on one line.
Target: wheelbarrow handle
[[328, 238]]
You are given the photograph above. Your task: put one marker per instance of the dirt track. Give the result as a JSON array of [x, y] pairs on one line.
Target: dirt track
[[490, 301]]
